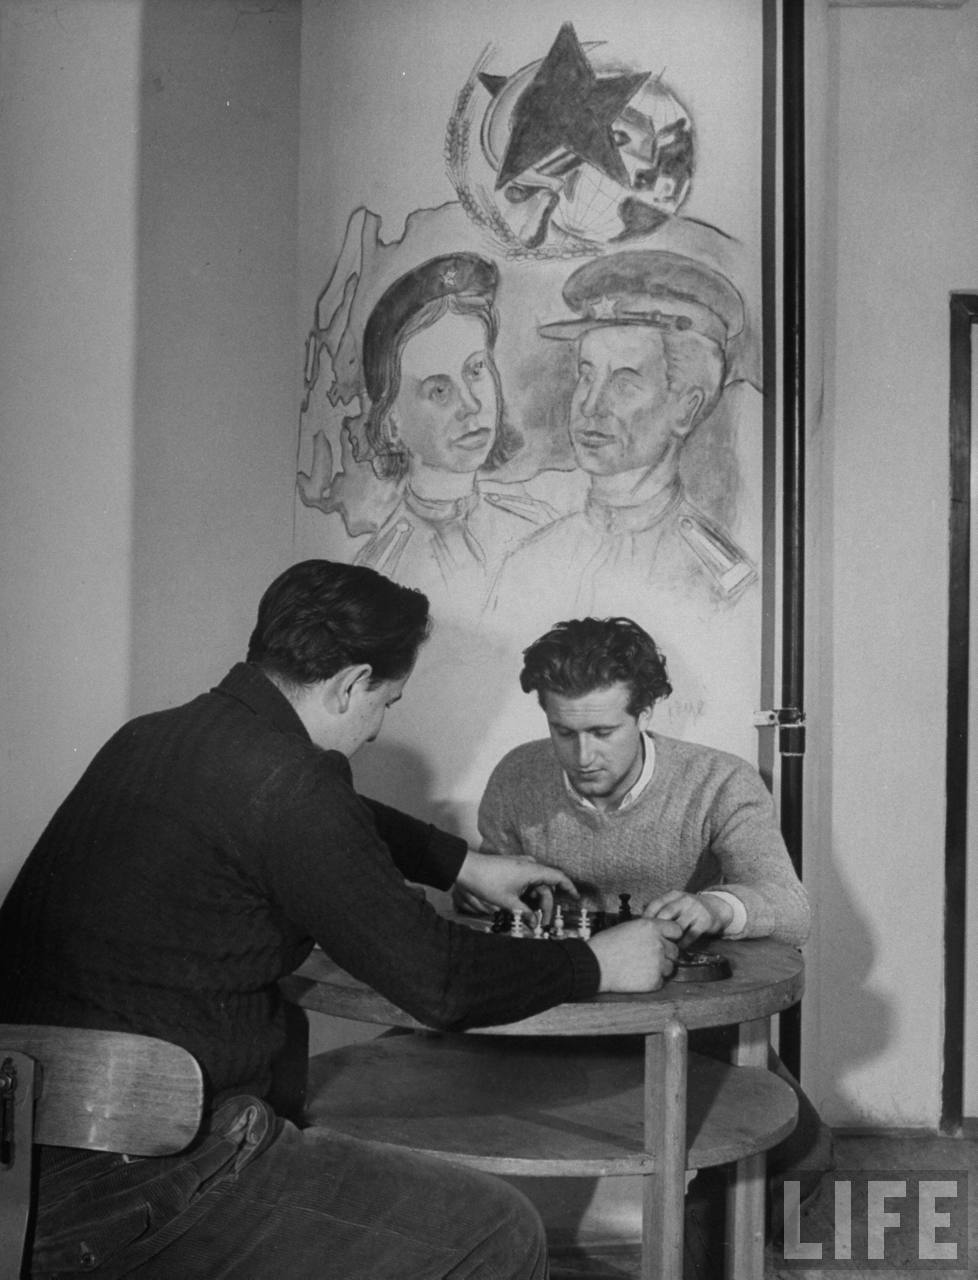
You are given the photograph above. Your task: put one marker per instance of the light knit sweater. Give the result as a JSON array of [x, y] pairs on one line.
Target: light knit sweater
[[704, 821]]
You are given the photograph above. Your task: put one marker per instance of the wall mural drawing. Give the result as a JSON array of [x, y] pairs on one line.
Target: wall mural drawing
[[437, 418], [576, 156], [650, 333], [542, 398]]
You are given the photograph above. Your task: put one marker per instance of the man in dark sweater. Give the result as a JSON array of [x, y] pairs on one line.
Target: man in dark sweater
[[200, 857]]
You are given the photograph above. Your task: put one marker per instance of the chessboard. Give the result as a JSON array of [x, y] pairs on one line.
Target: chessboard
[[576, 921], [694, 964]]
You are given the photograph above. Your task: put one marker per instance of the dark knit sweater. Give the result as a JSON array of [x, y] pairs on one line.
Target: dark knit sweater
[[199, 858]]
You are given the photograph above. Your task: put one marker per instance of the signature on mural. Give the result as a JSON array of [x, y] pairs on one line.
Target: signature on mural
[[453, 420]]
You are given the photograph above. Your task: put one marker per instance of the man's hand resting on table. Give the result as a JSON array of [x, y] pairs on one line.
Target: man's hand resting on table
[[699, 914], [638, 955], [488, 880]]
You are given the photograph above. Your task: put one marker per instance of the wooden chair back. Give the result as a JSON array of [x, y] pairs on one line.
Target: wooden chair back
[[98, 1090]]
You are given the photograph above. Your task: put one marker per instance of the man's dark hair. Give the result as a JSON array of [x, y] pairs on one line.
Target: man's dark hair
[[319, 616], [577, 657]]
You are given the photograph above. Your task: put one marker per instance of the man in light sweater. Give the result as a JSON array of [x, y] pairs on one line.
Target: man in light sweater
[[688, 831], [683, 828]]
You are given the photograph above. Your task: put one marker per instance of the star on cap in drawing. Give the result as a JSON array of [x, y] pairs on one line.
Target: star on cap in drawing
[[654, 288], [602, 308], [453, 274]]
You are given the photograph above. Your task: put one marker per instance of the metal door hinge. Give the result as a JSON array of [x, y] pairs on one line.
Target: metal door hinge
[[790, 723]]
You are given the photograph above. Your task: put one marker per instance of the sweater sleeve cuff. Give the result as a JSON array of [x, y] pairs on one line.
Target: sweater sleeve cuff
[[446, 853], [738, 924], [585, 970]]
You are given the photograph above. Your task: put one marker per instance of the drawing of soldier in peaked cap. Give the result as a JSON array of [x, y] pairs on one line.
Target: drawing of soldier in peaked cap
[[651, 330], [435, 422]]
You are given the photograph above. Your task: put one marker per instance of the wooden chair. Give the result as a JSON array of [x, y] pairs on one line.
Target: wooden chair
[[99, 1090]]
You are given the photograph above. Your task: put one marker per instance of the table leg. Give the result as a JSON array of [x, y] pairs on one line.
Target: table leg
[[664, 1191], [746, 1192]]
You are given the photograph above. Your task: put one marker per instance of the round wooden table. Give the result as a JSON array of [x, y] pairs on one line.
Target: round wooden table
[[594, 1087]]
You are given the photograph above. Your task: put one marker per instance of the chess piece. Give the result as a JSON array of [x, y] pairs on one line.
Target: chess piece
[[557, 925], [501, 921]]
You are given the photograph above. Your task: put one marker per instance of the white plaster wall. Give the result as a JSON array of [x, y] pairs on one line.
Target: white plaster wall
[[68, 203], [903, 222], [102, 308], [148, 364], [898, 200], [217, 364], [378, 80]]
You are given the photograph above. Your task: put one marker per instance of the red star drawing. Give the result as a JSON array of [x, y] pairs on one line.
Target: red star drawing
[[567, 107]]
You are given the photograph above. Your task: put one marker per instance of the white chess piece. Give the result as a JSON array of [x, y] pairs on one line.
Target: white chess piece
[[557, 927]]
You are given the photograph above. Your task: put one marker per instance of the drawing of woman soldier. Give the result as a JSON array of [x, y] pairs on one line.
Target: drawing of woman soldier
[[436, 426]]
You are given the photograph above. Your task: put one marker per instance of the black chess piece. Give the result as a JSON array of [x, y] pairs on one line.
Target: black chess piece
[[502, 921]]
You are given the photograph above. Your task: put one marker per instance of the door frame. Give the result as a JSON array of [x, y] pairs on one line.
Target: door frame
[[963, 317]]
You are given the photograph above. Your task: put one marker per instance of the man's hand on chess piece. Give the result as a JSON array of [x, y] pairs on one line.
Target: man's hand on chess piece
[[486, 881], [638, 955], [468, 904], [698, 914]]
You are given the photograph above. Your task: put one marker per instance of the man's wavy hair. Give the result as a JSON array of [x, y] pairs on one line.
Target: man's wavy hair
[[577, 657], [319, 616]]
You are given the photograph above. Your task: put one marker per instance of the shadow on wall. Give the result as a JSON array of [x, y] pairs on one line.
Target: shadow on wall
[[462, 710], [593, 1211], [386, 769], [861, 1017]]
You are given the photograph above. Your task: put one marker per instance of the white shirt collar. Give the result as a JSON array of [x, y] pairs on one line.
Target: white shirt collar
[[634, 791]]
